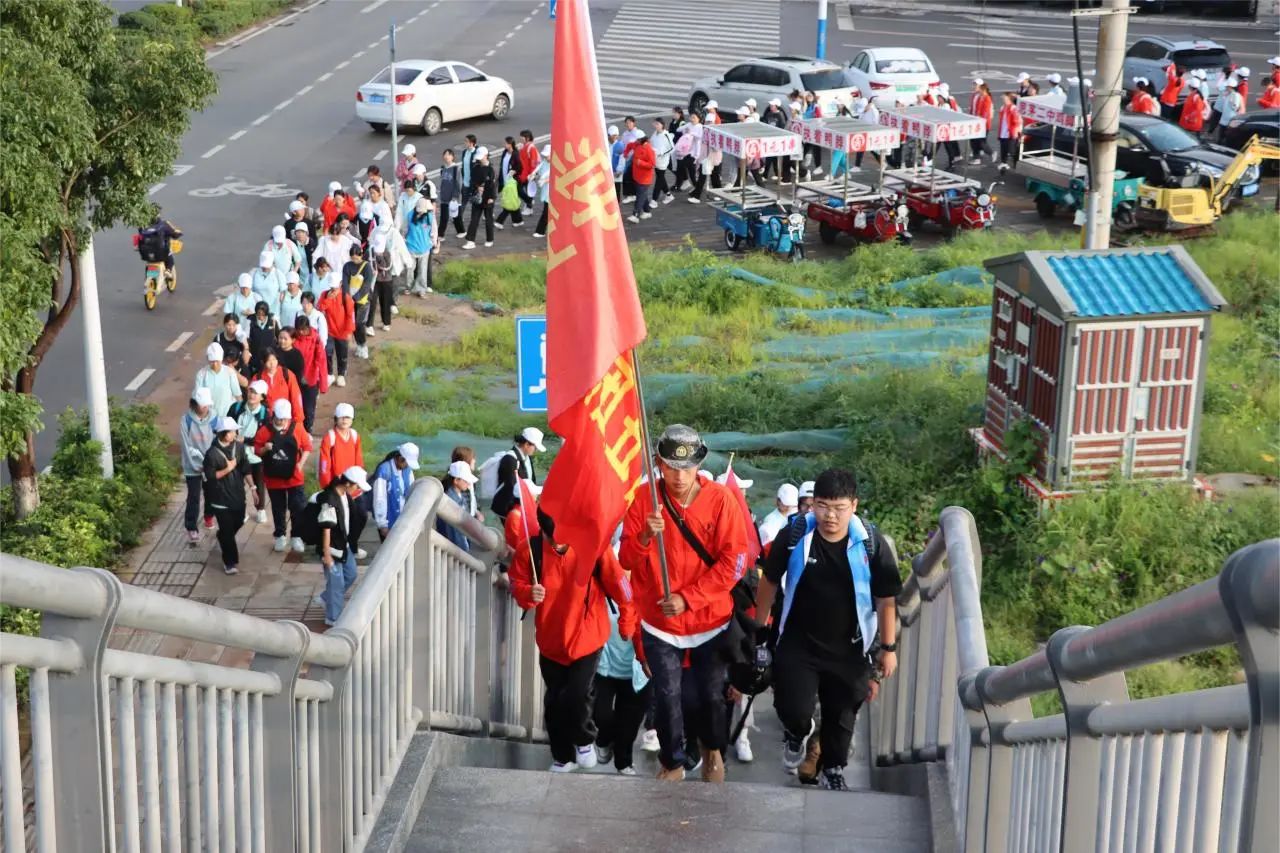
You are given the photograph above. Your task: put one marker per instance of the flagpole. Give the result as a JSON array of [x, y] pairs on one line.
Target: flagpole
[[648, 471]]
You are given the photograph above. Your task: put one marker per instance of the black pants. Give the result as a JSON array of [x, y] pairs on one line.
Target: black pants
[[953, 152], [619, 710], [336, 351], [567, 705], [478, 211], [385, 292], [195, 490], [291, 500], [542, 220], [360, 508], [515, 215], [686, 170], [310, 395], [1169, 112], [660, 187], [230, 520], [1006, 148], [699, 184], [841, 685], [977, 147], [706, 676], [363, 313]]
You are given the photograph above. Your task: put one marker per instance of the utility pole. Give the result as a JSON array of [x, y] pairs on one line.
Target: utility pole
[[1113, 31], [821, 51], [95, 369], [395, 135]]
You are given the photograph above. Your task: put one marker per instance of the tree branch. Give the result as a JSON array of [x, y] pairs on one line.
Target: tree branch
[[59, 320], [75, 176]]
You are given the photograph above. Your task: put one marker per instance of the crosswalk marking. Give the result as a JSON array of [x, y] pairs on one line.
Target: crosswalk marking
[[652, 52]]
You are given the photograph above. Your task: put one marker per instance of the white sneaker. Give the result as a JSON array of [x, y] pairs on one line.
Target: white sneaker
[[817, 171], [331, 380], [386, 328], [557, 767], [628, 199], [646, 215], [298, 545], [527, 211], [395, 312], [468, 245], [586, 756], [230, 570], [499, 225], [261, 517], [668, 198], [281, 544], [362, 554], [370, 331], [633, 218], [649, 741], [793, 751], [627, 771], [694, 200], [341, 382], [488, 243], [743, 750], [539, 235], [193, 536], [362, 352]]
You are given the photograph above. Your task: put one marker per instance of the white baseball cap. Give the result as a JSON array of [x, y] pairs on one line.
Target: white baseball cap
[[266, 260], [1023, 76], [776, 102], [482, 153], [296, 205], [751, 102], [806, 489], [534, 436], [244, 280], [1275, 60], [1055, 77], [277, 233], [1243, 72], [226, 424], [202, 396], [613, 130], [743, 111], [712, 105], [302, 226], [356, 476], [282, 410], [409, 453], [978, 81], [259, 386], [419, 168], [1232, 82], [213, 352], [378, 242], [409, 148], [462, 471], [639, 134], [944, 89], [366, 210], [333, 186], [788, 495], [1199, 73], [344, 410], [291, 277]]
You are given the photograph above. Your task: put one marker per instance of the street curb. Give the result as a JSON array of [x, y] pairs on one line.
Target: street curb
[[1004, 12]]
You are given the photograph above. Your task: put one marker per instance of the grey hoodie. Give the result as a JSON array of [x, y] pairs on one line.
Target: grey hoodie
[[196, 434]]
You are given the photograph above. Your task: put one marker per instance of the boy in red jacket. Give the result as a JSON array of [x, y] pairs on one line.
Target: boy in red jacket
[[571, 625], [689, 622], [643, 161], [340, 313]]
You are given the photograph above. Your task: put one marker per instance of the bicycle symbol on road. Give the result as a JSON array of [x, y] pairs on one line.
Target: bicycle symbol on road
[[235, 186]]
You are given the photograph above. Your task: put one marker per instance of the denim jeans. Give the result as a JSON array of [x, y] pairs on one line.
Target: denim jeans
[[195, 489], [644, 192], [338, 578], [707, 674]]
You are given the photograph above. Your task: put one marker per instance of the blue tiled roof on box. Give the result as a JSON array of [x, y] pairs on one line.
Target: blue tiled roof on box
[[1126, 284]]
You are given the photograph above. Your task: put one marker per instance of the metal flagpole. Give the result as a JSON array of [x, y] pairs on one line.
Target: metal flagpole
[[395, 137], [648, 471], [528, 539]]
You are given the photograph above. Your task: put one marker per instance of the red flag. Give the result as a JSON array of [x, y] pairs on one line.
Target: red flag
[[529, 510], [749, 525], [593, 310]]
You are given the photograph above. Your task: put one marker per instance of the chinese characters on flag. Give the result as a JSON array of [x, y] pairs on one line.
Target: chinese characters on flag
[[593, 310]]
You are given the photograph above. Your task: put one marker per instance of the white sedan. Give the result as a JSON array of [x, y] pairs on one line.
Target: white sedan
[[892, 74], [430, 92]]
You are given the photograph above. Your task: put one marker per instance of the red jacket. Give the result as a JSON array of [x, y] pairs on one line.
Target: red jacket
[[1172, 85], [643, 161], [1142, 102], [1270, 99], [980, 106], [339, 312], [265, 433], [1243, 89], [330, 209], [573, 619], [315, 372], [282, 386], [1009, 114], [337, 455], [529, 159], [1192, 117], [715, 519]]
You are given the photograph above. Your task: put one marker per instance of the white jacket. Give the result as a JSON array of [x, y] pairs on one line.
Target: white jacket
[[401, 257], [662, 148]]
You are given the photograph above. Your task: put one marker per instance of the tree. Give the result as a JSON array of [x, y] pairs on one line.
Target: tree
[[91, 117]]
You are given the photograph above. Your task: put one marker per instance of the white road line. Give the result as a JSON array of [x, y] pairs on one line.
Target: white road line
[[303, 90], [143, 376], [384, 38], [375, 4], [844, 18], [358, 174], [357, 54], [239, 133], [990, 48], [178, 342], [214, 150], [343, 64], [527, 20], [517, 28], [286, 102], [262, 118], [371, 45], [325, 76], [491, 53], [212, 309], [380, 155], [223, 47], [181, 170], [155, 188], [480, 62], [501, 43]]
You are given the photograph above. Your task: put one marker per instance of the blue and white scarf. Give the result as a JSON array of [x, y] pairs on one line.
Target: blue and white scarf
[[859, 567]]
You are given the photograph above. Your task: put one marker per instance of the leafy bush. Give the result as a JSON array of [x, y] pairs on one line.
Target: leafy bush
[[162, 20], [200, 18]]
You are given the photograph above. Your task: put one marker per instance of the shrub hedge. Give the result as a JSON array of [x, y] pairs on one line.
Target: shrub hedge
[[200, 19]]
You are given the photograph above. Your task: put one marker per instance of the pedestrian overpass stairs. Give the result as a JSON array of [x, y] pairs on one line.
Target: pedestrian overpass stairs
[[415, 723]]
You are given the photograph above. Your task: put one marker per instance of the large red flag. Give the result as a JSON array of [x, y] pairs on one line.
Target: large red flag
[[744, 511], [593, 310]]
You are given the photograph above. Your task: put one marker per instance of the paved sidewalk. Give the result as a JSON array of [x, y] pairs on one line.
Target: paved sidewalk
[[269, 585]]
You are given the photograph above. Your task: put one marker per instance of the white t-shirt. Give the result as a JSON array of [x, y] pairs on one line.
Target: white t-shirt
[[336, 252], [691, 641]]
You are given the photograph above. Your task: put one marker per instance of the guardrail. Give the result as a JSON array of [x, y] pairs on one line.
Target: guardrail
[[295, 751], [1195, 771]]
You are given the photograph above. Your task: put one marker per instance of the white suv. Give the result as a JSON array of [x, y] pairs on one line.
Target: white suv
[[774, 77]]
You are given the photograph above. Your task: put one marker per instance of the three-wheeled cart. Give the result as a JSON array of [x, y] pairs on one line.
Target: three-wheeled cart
[[752, 216], [1057, 179], [953, 201], [866, 212]]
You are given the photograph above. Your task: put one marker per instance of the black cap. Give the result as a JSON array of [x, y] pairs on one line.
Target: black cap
[[681, 447]]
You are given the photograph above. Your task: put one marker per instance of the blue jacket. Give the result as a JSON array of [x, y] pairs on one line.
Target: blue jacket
[[618, 657], [859, 567], [448, 531], [418, 237], [395, 484]]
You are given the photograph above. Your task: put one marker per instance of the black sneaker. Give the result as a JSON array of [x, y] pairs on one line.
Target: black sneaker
[[692, 761], [833, 779]]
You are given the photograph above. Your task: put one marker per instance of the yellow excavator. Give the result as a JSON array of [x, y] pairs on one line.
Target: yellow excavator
[[1165, 208]]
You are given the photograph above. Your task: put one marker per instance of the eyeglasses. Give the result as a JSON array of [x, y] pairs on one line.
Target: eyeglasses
[[821, 508]]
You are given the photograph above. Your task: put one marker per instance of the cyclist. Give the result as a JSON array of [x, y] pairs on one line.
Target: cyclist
[[154, 241]]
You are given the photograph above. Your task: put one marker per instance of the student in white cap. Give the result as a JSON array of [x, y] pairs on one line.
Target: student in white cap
[[404, 168], [242, 298], [195, 435], [225, 470], [340, 449], [482, 191], [331, 507], [512, 465], [542, 178], [785, 505], [391, 483], [234, 340], [1055, 85], [252, 414], [222, 382], [1227, 106], [290, 300], [268, 282], [805, 497], [284, 447], [283, 253], [457, 488], [981, 106], [1025, 86]]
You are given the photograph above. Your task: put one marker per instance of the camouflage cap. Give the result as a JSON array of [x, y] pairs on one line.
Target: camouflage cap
[[681, 447]]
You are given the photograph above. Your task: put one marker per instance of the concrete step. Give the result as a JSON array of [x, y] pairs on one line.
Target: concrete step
[[505, 811]]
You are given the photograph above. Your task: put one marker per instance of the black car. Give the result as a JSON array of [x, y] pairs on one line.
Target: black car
[[1263, 123], [1150, 148]]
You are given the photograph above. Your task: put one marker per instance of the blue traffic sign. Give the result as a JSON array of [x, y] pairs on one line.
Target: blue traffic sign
[[531, 362]]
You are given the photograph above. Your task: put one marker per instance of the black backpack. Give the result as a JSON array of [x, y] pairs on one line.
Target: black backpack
[[282, 461], [151, 244]]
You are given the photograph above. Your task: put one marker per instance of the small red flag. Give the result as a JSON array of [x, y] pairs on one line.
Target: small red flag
[[749, 525], [529, 510], [593, 310]]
